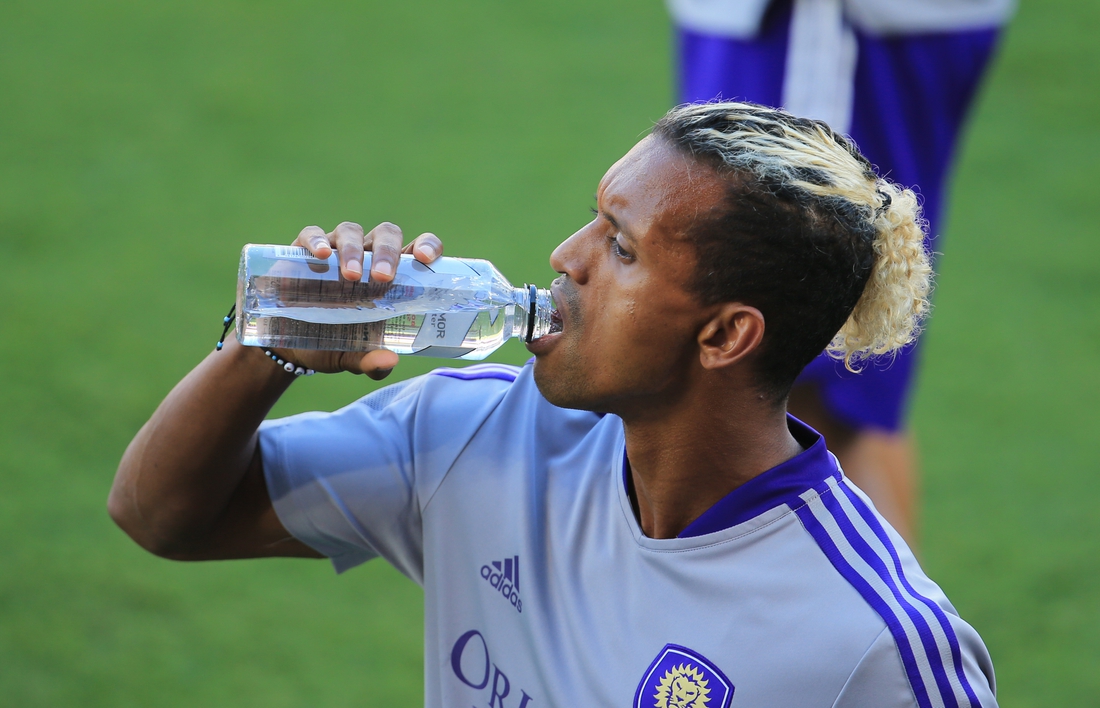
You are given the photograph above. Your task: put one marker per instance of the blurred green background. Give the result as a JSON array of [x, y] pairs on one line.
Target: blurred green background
[[141, 144]]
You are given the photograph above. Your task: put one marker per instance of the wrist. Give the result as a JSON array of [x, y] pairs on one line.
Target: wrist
[[286, 364], [275, 355], [251, 363]]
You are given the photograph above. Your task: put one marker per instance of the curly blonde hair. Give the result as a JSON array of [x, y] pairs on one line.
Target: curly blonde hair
[[832, 253], [891, 312]]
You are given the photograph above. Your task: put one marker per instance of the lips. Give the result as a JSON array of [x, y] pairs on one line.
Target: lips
[[564, 304]]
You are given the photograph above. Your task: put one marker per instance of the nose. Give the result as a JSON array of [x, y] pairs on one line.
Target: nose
[[568, 258]]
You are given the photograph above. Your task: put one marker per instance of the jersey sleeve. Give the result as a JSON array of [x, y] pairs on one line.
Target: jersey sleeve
[[879, 680], [353, 484]]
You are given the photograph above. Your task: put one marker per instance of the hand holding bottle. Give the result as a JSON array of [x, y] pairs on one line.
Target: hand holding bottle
[[350, 243]]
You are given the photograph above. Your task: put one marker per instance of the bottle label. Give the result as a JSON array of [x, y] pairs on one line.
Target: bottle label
[[444, 329]]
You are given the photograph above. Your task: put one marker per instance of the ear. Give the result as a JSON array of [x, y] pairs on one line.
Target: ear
[[733, 333]]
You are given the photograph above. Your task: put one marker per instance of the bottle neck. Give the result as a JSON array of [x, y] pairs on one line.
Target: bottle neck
[[534, 308]]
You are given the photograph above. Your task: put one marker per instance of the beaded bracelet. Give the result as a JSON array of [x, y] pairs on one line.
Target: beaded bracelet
[[288, 366]]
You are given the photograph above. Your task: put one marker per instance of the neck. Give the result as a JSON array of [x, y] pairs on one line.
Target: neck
[[683, 461]]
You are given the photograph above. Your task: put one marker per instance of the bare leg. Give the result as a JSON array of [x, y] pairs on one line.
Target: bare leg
[[881, 463]]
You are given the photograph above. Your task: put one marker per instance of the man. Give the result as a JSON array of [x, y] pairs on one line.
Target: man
[[899, 76], [631, 518]]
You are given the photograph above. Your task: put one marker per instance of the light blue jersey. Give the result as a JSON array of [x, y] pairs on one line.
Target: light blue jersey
[[540, 588]]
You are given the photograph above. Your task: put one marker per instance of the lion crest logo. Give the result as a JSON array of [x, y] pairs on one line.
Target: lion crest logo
[[682, 678], [682, 686]]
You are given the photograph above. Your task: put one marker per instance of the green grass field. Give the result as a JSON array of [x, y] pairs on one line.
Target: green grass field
[[142, 143]]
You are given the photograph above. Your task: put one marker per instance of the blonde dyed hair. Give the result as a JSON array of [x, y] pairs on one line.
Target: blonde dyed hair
[[895, 302], [807, 163]]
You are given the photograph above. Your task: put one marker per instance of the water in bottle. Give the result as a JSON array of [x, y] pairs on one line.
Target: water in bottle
[[457, 308]]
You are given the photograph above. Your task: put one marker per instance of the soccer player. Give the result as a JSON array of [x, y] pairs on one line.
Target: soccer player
[[631, 518], [898, 76]]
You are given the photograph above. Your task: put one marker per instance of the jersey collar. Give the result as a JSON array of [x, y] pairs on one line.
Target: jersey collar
[[780, 485]]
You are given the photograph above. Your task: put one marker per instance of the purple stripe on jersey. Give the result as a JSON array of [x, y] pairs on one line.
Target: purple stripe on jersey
[[878, 565], [780, 485], [825, 542], [872, 522], [474, 373]]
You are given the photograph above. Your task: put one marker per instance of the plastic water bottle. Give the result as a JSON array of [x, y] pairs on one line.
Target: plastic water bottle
[[457, 308]]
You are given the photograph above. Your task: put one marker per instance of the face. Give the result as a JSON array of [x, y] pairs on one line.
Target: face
[[683, 693], [629, 322]]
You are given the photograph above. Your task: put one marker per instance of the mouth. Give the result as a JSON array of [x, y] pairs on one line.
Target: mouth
[[556, 323], [546, 342]]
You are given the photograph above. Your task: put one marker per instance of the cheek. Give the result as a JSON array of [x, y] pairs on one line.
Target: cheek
[[632, 315], [624, 327], [617, 328]]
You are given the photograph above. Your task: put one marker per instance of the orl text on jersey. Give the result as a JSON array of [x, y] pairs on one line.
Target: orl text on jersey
[[472, 665]]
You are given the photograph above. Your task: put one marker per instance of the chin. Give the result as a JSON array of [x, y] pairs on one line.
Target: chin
[[564, 389]]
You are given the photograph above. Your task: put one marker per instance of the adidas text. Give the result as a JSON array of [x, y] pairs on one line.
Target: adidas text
[[504, 578]]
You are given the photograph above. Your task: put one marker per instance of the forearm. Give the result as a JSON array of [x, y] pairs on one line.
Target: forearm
[[191, 484], [185, 466]]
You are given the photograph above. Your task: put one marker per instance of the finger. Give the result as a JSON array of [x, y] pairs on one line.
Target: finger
[[376, 364], [348, 239], [426, 248], [316, 240], [384, 241]]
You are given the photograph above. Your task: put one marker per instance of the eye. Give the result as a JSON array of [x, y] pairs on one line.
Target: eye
[[618, 249], [594, 210]]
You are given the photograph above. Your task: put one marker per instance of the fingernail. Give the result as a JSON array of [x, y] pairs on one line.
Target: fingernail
[[319, 244], [427, 251], [383, 268], [354, 267]]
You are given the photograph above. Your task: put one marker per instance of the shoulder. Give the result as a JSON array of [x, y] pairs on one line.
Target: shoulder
[[488, 405], [453, 396], [881, 679], [507, 393], [468, 395], [428, 421], [941, 658]]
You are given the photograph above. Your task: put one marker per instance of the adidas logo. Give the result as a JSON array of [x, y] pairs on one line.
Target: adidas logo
[[504, 577]]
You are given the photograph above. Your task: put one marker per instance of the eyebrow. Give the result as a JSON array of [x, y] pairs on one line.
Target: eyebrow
[[614, 222]]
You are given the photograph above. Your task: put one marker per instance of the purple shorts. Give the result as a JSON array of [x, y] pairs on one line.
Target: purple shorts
[[910, 99]]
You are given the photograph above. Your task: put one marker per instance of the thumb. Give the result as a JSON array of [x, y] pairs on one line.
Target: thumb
[[376, 364]]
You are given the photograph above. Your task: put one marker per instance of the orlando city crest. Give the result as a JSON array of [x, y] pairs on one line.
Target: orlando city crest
[[682, 678]]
